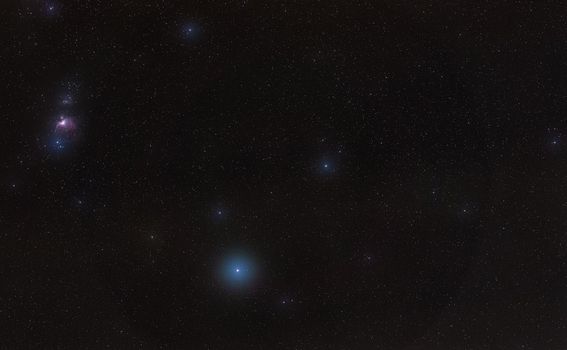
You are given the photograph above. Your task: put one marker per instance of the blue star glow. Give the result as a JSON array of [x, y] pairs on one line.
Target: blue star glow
[[190, 31], [51, 8], [326, 167], [238, 271]]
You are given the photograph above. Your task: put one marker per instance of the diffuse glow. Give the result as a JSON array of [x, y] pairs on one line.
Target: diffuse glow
[[238, 271]]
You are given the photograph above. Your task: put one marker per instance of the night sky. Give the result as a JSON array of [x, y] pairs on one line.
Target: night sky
[[283, 175]]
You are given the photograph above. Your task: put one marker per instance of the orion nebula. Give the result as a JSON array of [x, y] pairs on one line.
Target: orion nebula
[[66, 125]]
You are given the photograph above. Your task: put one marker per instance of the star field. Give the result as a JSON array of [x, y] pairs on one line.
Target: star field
[[283, 175]]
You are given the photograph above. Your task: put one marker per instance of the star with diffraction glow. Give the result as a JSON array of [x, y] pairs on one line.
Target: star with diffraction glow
[[237, 271]]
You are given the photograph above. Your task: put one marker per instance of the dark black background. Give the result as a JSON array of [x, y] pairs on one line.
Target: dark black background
[[439, 226]]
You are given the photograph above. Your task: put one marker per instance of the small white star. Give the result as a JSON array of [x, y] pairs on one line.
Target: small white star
[[237, 270]]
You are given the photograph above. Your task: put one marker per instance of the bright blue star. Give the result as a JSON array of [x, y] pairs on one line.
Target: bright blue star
[[326, 167], [219, 214], [51, 8], [190, 31], [237, 271]]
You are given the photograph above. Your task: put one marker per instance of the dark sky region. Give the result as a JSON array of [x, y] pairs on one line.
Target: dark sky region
[[283, 175]]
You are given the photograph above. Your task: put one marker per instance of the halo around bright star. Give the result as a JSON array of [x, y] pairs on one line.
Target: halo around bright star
[[190, 31], [326, 166], [237, 271], [219, 214], [51, 8]]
